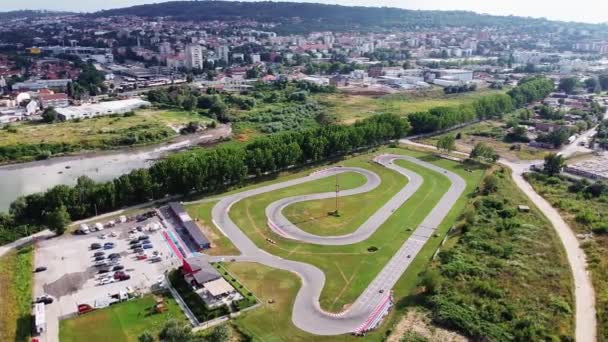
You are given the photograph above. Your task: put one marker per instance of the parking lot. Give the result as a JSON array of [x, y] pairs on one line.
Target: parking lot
[[72, 278]]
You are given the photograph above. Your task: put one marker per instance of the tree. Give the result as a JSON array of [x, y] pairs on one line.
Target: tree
[[50, 115], [603, 81], [484, 152], [432, 281], [446, 143], [592, 85], [145, 337], [553, 164], [58, 219], [490, 184], [568, 84], [220, 333], [173, 331]]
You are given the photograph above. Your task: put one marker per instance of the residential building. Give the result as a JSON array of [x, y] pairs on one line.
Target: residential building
[[194, 56], [56, 100]]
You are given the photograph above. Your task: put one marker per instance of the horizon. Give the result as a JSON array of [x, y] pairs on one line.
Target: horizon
[[585, 11]]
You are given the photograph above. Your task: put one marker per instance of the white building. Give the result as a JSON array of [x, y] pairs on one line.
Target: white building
[[255, 58], [455, 74], [100, 109], [194, 56], [223, 53]]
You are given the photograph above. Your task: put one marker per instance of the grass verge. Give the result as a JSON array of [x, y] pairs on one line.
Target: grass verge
[[16, 294]]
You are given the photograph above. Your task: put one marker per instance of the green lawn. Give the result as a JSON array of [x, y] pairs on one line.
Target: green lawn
[[16, 295], [349, 108], [120, 322], [313, 216], [350, 268], [220, 244]]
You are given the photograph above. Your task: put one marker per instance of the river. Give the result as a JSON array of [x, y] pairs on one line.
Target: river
[[26, 178]]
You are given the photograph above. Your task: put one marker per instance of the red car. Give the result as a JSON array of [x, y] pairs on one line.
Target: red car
[[84, 308], [142, 257]]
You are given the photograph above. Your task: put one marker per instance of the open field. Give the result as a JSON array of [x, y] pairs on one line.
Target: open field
[[24, 139], [344, 265], [221, 245], [350, 108], [585, 214], [16, 295], [492, 134], [313, 216], [120, 322]]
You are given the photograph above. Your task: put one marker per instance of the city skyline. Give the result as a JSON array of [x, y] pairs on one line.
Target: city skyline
[[589, 11]]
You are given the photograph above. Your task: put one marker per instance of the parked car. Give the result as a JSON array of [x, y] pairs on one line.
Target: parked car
[[40, 269], [103, 270], [95, 246], [143, 237], [147, 246], [114, 256], [136, 246], [106, 246], [100, 264], [106, 281], [118, 268], [138, 250], [134, 242], [46, 299], [114, 234], [84, 308], [142, 257], [156, 259], [109, 244], [100, 253], [99, 258], [125, 277], [103, 236]]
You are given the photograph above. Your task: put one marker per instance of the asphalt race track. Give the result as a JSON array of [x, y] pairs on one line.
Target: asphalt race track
[[307, 313]]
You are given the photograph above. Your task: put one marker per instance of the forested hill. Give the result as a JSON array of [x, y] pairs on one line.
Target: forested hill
[[302, 17]]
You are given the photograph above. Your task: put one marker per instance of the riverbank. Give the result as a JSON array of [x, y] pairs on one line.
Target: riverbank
[[26, 178]]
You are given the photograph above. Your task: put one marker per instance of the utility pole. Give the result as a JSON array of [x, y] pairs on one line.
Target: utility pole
[[337, 213]]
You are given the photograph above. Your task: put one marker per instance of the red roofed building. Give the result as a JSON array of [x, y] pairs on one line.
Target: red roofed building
[[54, 100]]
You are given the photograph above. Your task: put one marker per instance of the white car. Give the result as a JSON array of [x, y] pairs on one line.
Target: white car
[[106, 281], [103, 236], [114, 234]]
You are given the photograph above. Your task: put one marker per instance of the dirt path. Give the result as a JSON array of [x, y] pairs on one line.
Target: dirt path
[[584, 294]]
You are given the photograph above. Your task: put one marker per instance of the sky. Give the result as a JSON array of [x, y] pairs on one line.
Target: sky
[[590, 11]]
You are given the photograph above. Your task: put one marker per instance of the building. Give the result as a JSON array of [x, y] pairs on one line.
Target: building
[[223, 53], [194, 56], [39, 318], [100, 109], [454, 74], [197, 236], [57, 100], [255, 58], [41, 84], [197, 271], [206, 281]]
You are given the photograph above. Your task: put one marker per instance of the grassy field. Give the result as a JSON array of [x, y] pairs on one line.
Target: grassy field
[[585, 214], [350, 108], [120, 322], [343, 265], [504, 276], [313, 216], [492, 134], [147, 126], [221, 245], [16, 295]]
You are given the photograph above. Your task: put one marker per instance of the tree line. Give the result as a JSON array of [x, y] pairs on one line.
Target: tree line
[[490, 106], [201, 170]]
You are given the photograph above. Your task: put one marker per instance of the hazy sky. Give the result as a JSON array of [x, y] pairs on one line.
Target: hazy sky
[[592, 11]]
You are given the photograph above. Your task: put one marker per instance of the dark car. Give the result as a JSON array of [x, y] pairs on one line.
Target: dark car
[[104, 270], [99, 258], [136, 246], [147, 246], [46, 299], [114, 256], [144, 237], [140, 228], [119, 274], [134, 241], [99, 254], [95, 246], [118, 268], [40, 269], [125, 277], [138, 250]]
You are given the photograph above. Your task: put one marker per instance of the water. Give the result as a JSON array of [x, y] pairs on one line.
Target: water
[[23, 179]]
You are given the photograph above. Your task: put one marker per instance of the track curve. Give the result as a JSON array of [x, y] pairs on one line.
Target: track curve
[[307, 313]]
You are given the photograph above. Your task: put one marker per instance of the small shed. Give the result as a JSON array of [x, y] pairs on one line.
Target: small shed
[[523, 208]]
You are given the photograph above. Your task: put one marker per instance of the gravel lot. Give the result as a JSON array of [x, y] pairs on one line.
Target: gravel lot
[[71, 277]]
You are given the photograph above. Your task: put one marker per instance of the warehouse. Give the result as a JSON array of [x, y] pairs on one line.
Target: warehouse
[[100, 109], [197, 236]]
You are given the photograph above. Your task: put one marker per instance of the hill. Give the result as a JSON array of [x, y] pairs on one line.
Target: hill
[[303, 17]]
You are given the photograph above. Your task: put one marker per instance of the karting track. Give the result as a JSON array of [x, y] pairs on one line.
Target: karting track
[[307, 313]]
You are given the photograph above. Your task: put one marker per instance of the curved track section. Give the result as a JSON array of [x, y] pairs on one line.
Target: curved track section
[[307, 313]]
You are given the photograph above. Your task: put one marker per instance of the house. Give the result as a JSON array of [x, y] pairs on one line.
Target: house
[[197, 271], [32, 107], [197, 236], [56, 100]]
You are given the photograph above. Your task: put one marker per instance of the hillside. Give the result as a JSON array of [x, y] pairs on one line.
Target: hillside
[[303, 17]]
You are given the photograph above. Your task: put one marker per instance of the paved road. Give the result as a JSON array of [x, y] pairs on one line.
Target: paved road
[[307, 313]]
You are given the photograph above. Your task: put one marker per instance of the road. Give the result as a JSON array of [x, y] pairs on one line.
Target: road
[[584, 293], [307, 313]]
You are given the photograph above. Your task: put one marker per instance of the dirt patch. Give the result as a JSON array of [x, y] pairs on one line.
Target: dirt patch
[[68, 283], [419, 323]]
